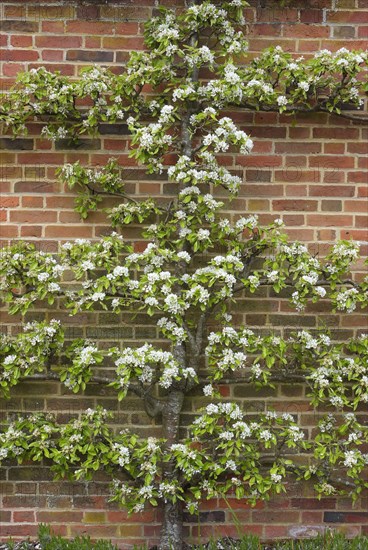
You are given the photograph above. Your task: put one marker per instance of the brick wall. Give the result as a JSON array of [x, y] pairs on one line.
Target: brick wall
[[311, 171]]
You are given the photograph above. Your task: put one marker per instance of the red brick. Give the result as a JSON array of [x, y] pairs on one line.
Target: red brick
[[88, 11], [31, 231], [41, 158], [123, 43], [21, 41], [149, 188], [8, 202], [52, 55], [307, 31], [336, 148], [319, 220], [32, 202], [357, 177], [263, 190], [55, 27], [62, 232], [298, 133], [60, 202], [296, 174], [25, 516], [363, 163], [290, 147], [36, 187], [333, 175], [9, 231], [359, 148], [328, 162], [295, 205], [331, 191], [314, 504], [273, 13], [55, 41], [336, 133], [25, 530], [59, 516], [19, 55], [265, 132], [311, 15], [265, 29], [93, 42], [361, 222], [353, 16], [355, 234], [354, 321], [90, 56], [326, 235], [355, 206], [33, 216], [262, 161]]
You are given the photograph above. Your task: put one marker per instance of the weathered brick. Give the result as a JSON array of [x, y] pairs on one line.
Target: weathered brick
[[9, 25], [21, 41], [345, 517], [52, 55], [36, 187], [33, 216], [331, 206], [307, 31], [19, 55], [24, 516], [331, 191], [89, 55], [344, 31], [295, 205], [41, 12], [59, 516], [5, 516], [125, 13], [25, 530]]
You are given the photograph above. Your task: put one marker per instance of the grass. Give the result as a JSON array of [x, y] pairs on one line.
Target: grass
[[327, 541]]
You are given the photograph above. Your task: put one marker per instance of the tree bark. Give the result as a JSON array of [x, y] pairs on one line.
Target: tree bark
[[171, 537]]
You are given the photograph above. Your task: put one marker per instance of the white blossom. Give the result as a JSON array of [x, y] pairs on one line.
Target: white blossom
[[281, 100], [208, 390]]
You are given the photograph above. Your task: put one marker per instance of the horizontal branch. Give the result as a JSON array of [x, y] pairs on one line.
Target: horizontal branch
[[303, 110], [152, 404]]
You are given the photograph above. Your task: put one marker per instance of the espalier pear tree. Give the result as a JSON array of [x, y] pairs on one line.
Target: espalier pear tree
[[195, 263]]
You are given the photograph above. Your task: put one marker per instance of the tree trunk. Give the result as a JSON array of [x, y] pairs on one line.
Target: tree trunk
[[171, 537]]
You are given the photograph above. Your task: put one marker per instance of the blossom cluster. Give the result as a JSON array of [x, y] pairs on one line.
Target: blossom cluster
[[337, 373], [148, 365], [29, 353], [225, 135], [205, 171]]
